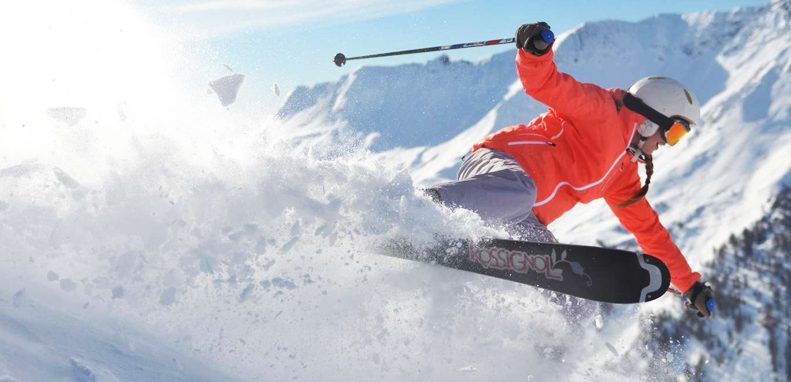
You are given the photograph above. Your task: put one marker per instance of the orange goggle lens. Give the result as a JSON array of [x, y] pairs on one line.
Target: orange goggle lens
[[676, 131]]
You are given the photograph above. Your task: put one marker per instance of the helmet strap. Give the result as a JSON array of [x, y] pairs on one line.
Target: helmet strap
[[638, 155], [636, 147]]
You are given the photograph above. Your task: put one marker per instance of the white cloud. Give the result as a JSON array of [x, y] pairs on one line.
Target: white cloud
[[212, 18]]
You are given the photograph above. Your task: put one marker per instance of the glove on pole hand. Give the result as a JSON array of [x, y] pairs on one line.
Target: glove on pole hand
[[530, 38], [700, 298]]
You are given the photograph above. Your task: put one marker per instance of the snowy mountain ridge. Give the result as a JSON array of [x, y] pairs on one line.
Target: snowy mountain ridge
[[373, 99]]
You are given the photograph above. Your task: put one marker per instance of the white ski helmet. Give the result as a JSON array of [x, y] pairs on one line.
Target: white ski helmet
[[668, 97]]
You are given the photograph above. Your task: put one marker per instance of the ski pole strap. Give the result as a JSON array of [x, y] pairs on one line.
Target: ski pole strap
[[638, 106]]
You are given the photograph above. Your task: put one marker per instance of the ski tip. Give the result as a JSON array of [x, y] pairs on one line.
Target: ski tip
[[659, 277], [340, 59]]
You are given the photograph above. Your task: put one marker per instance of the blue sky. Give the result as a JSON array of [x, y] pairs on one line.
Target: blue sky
[[292, 43]]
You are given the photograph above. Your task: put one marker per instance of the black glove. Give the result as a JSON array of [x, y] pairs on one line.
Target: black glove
[[700, 298], [528, 37]]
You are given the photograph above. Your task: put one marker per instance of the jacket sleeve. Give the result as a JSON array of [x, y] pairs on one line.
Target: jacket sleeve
[[542, 81], [643, 222]]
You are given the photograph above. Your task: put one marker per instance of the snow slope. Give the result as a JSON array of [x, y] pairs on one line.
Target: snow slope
[[44, 344], [148, 233]]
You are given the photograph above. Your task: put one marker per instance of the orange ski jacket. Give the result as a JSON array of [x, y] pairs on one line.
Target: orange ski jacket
[[577, 152]]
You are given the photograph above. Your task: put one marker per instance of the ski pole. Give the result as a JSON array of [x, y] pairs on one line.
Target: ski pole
[[546, 35]]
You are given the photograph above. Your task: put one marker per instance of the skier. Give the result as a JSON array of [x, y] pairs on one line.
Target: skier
[[586, 146]]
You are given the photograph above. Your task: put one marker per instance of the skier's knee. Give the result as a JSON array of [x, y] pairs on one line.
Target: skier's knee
[[526, 181], [528, 185]]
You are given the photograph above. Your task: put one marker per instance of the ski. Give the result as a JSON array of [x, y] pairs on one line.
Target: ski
[[594, 273]]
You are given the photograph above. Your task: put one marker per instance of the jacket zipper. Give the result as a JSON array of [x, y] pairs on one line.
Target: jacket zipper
[[516, 143]]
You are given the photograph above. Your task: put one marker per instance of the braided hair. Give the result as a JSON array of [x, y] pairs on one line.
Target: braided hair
[[649, 170]]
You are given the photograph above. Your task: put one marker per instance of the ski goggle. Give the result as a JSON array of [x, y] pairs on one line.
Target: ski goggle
[[676, 131], [673, 129]]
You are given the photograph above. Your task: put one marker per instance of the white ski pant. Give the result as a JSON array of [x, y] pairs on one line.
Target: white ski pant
[[494, 185]]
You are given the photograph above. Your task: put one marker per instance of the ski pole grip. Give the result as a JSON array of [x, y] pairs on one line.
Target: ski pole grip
[[547, 38], [711, 305]]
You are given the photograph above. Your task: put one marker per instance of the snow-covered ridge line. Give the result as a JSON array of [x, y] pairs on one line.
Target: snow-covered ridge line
[[394, 101]]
